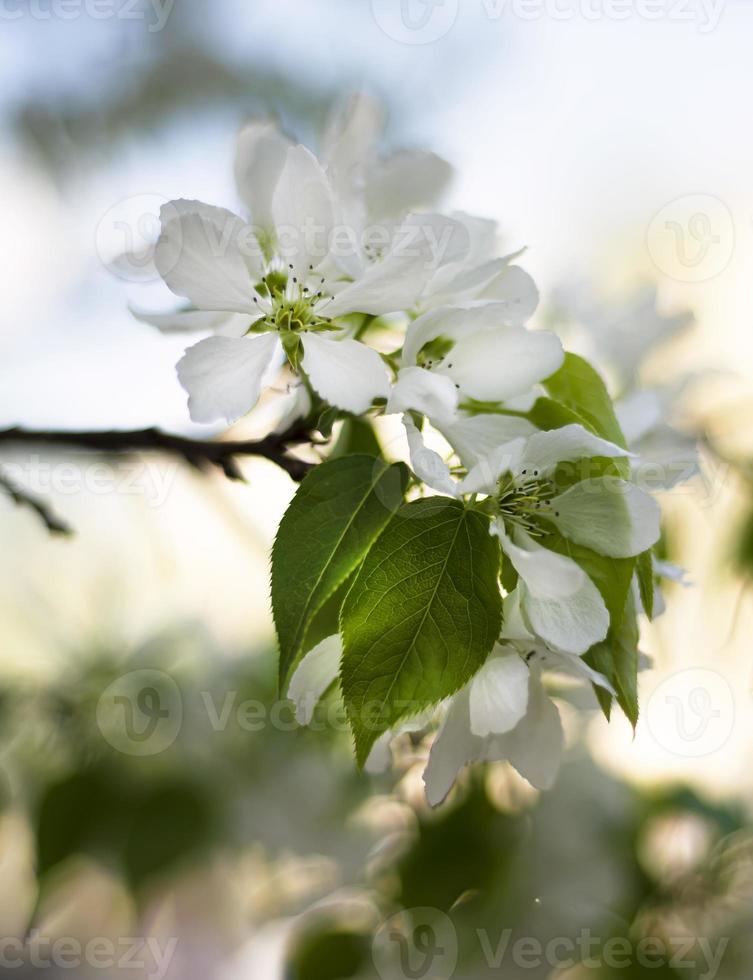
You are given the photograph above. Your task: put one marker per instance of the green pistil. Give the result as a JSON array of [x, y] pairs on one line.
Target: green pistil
[[434, 352], [523, 503], [290, 315]]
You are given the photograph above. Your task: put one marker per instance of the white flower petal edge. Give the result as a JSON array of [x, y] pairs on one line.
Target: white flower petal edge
[[515, 289], [610, 516], [483, 477], [572, 664], [491, 360], [534, 746], [427, 464], [260, 155], [559, 602], [223, 375], [199, 256], [475, 437], [395, 282], [346, 373], [303, 202], [196, 321], [313, 675], [421, 391], [405, 180], [499, 694], [568, 444]]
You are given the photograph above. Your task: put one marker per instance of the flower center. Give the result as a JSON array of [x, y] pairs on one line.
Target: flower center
[[289, 305], [524, 499]]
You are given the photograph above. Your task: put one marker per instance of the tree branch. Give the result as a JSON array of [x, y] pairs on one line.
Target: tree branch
[[200, 453], [23, 498]]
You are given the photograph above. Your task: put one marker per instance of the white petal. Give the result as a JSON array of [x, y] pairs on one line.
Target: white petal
[[259, 158], [395, 282], [406, 180], [303, 211], [674, 573], [639, 412], [475, 436], [611, 516], [223, 375], [422, 391], [483, 476], [513, 625], [197, 321], [295, 404], [546, 573], [499, 694], [455, 747], [572, 664], [457, 283], [452, 322], [491, 360], [534, 747], [559, 601], [495, 365], [568, 444], [380, 757], [515, 288], [346, 373], [666, 458], [350, 141], [208, 255], [426, 464], [313, 676]]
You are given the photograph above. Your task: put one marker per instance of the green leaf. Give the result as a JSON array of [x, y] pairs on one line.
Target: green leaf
[[339, 510], [612, 577], [549, 414], [357, 435], [617, 658], [421, 616], [644, 567], [580, 388]]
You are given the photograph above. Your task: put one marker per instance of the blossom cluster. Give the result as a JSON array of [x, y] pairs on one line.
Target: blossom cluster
[[343, 278]]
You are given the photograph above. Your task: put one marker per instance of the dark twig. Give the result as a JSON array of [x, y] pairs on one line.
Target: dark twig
[[200, 453], [23, 498]]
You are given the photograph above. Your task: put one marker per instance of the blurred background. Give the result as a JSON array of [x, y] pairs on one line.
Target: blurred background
[[611, 139]]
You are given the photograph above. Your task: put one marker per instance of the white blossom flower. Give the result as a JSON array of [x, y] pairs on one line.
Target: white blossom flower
[[473, 353], [613, 517], [264, 294], [505, 714]]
